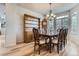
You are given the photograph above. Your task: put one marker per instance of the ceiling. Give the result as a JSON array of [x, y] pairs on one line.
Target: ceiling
[[43, 8]]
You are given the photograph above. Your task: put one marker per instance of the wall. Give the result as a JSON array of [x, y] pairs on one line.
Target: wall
[[10, 25], [20, 16], [21, 11], [14, 16], [75, 37]]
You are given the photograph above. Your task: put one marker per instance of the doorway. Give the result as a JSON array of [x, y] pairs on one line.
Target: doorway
[[2, 25]]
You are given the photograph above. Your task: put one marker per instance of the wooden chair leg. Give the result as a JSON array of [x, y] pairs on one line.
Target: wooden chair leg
[[45, 41], [64, 42], [53, 46], [61, 46], [34, 49], [39, 49], [58, 48]]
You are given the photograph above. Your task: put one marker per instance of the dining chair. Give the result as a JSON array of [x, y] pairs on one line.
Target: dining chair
[[65, 36], [58, 40], [38, 40]]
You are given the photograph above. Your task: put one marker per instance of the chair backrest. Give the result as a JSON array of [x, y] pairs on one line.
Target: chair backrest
[[61, 35], [65, 32], [36, 34]]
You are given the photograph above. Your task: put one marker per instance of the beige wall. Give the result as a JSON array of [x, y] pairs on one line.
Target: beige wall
[[11, 25], [20, 14], [75, 36], [15, 16]]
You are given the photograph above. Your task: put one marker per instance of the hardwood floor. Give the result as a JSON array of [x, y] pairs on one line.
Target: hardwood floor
[[2, 40], [72, 49]]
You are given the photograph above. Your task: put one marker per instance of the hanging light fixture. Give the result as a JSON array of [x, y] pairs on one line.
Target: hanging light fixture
[[50, 12]]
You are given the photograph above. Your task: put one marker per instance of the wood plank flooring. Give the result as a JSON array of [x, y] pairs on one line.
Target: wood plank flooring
[[72, 49]]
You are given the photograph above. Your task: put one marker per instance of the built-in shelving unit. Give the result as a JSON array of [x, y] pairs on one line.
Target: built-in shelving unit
[[29, 23]]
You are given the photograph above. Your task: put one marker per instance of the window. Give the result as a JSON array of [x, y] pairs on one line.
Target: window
[[74, 23], [62, 22], [65, 22], [62, 17], [50, 26], [58, 24]]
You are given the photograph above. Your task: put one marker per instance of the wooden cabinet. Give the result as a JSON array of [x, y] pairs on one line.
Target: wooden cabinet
[[29, 23]]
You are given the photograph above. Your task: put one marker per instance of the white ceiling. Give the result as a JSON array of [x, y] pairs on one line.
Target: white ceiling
[[43, 8]]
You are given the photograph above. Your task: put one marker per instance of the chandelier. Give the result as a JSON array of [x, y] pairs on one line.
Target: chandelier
[[50, 14]]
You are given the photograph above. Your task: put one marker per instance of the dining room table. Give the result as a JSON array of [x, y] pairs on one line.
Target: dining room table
[[49, 36]]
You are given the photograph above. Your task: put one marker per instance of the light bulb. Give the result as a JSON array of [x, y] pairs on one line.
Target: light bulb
[[52, 14], [47, 15]]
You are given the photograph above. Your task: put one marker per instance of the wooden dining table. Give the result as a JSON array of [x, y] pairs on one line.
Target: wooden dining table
[[50, 39]]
